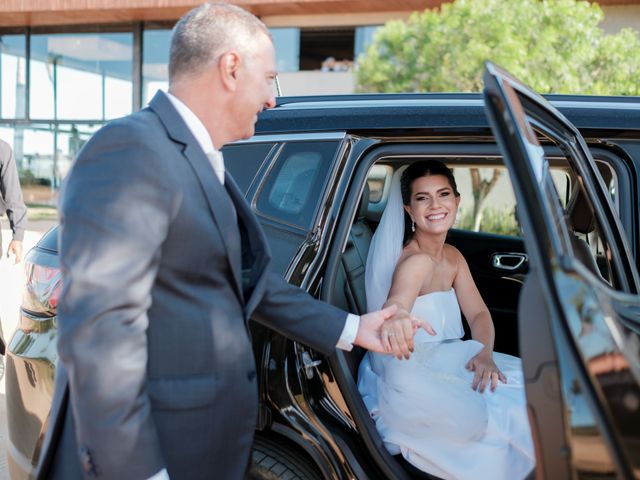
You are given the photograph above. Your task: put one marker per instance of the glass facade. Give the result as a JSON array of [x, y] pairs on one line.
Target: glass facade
[[58, 85], [80, 76], [155, 60], [13, 71], [44, 153], [57, 88], [309, 49], [364, 38], [287, 43]]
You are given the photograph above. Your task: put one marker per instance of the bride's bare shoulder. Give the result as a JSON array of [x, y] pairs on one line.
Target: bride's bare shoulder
[[413, 267], [414, 259], [453, 254]]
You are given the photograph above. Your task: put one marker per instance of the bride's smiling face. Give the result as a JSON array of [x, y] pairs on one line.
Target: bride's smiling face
[[433, 205]]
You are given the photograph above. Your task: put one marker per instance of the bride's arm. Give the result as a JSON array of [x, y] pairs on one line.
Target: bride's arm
[[397, 334], [481, 325]]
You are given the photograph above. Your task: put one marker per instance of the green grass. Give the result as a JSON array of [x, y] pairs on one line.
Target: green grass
[[501, 221], [41, 212]]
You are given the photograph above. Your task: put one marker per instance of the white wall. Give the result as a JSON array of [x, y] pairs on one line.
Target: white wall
[[316, 83], [617, 17]]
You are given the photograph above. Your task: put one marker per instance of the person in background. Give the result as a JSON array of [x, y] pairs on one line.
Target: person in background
[[11, 201]]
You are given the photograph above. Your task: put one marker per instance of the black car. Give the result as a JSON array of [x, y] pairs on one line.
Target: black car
[[552, 240]]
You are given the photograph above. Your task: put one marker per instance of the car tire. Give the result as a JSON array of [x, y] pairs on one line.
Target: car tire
[[273, 459]]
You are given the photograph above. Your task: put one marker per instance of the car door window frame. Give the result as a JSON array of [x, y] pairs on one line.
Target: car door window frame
[[345, 212], [514, 111]]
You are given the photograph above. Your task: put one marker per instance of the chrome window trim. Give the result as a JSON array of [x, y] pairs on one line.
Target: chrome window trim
[[292, 137], [447, 102]]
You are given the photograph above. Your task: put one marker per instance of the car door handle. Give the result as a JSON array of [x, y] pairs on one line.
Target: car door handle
[[508, 261]]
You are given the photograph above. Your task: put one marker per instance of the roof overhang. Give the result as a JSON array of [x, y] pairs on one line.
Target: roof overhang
[[20, 13]]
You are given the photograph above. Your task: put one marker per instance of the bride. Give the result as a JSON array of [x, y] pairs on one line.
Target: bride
[[455, 409]]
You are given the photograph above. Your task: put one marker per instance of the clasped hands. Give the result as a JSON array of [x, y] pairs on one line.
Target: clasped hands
[[391, 331]]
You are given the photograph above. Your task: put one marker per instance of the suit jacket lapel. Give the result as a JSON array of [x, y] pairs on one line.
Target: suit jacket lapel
[[257, 243], [219, 202]]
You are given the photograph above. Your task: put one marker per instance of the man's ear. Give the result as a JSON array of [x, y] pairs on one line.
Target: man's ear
[[228, 67]]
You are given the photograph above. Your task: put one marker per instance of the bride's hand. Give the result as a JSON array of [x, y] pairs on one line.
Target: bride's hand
[[486, 371], [369, 329], [397, 333]]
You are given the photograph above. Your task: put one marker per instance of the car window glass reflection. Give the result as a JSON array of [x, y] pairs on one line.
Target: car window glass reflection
[[296, 181]]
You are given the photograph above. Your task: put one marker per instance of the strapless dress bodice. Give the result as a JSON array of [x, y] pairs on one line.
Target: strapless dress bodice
[[439, 309]]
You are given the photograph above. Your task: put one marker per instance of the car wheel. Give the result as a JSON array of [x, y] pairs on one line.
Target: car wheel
[[274, 459]]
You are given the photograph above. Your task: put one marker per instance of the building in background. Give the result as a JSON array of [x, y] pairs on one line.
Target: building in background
[[68, 66]]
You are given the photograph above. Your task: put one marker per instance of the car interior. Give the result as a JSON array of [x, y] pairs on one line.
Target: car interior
[[499, 283], [349, 293]]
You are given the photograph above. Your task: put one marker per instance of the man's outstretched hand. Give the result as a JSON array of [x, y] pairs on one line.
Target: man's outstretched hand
[[390, 331]]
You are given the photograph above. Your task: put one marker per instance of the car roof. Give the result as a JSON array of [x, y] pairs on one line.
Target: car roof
[[366, 112]]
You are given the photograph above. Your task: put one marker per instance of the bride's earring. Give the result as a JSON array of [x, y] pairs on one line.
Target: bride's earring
[[413, 226]]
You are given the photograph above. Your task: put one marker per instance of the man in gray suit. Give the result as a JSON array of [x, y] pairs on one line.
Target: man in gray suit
[[11, 201], [157, 377]]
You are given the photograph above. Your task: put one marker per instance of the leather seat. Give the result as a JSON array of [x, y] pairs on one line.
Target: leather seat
[[354, 261], [582, 223]]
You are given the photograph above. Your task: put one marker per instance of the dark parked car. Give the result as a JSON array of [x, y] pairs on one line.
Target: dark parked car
[[553, 248]]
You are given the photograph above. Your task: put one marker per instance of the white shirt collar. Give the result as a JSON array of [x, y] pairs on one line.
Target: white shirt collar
[[194, 124]]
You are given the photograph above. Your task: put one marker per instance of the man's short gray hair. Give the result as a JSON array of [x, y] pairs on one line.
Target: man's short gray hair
[[208, 31]]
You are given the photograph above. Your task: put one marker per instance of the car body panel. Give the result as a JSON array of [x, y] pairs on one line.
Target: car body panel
[[31, 360]]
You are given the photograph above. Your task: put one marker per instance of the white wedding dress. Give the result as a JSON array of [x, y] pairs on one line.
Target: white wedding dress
[[425, 408]]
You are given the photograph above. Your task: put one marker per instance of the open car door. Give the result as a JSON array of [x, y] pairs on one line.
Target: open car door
[[579, 310]]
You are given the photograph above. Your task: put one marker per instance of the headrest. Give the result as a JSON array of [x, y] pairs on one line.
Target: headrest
[[580, 214], [364, 203], [579, 210]]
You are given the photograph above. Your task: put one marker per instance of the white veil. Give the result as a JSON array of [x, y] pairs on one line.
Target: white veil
[[386, 247]]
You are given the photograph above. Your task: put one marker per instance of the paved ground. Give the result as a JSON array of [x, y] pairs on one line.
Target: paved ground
[[11, 282]]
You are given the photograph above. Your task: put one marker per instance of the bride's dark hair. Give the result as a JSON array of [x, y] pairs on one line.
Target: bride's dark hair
[[423, 168]]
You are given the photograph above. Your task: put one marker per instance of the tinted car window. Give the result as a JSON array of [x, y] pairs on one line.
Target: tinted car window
[[378, 176], [294, 185], [244, 160], [488, 204]]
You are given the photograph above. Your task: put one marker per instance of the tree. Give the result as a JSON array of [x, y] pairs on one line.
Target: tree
[[552, 45], [480, 189]]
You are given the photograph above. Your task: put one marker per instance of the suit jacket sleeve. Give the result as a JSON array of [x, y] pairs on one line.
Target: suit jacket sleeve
[[115, 211], [11, 192], [293, 312]]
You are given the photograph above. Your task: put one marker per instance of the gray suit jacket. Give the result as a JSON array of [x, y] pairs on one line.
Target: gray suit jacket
[[155, 362]]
